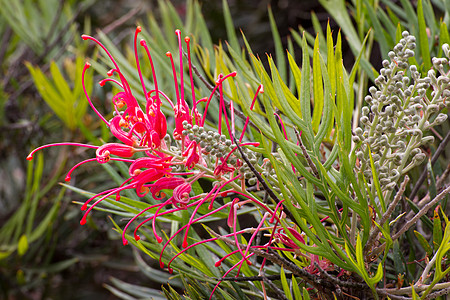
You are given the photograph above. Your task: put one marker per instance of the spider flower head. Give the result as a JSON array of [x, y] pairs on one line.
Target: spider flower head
[[144, 129], [161, 164]]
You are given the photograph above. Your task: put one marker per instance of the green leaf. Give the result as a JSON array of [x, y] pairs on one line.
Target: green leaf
[[398, 32], [297, 77], [430, 18], [285, 100], [5, 254], [331, 63], [279, 53], [443, 215], [398, 258], [171, 294], [296, 289], [20, 277], [376, 182], [444, 37], [424, 243], [48, 219], [155, 275], [285, 285], [317, 87], [141, 292], [394, 17], [22, 245], [414, 294], [388, 24], [378, 29], [356, 64], [439, 256], [48, 92], [359, 253], [410, 16], [327, 113], [61, 85], [318, 29], [59, 266], [360, 265], [331, 68], [443, 248], [378, 275], [232, 38], [387, 236], [423, 38], [344, 114], [305, 85], [437, 229], [306, 294], [338, 10], [291, 80]]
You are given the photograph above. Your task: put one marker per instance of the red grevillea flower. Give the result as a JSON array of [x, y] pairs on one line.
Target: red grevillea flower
[[223, 168], [157, 167], [283, 238], [165, 183], [103, 152], [192, 154], [141, 130]]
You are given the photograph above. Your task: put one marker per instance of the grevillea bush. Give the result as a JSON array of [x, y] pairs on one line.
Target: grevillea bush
[[249, 185]]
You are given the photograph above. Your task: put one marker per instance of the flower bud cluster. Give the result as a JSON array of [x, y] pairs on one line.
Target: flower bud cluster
[[253, 159], [265, 169], [212, 143], [399, 110]]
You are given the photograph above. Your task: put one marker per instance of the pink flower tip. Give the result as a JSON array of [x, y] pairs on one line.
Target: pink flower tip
[[187, 39], [161, 264], [84, 207], [30, 157], [67, 179], [125, 242], [185, 244], [142, 42], [218, 263], [159, 239], [139, 29], [170, 270], [87, 65], [137, 237], [168, 54], [177, 31], [83, 221], [84, 36]]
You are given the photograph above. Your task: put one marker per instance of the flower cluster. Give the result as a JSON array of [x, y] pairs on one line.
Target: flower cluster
[[159, 160], [400, 109], [163, 163]]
